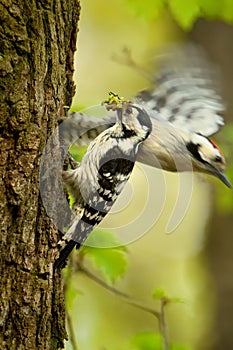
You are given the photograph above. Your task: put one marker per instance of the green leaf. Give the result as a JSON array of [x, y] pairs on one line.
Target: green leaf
[[227, 11], [71, 294], [147, 9], [159, 293], [77, 152], [217, 9], [111, 262], [185, 12], [101, 238], [71, 199], [147, 341], [211, 9]]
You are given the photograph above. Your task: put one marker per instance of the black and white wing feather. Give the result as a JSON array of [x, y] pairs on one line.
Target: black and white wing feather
[[185, 91], [184, 106]]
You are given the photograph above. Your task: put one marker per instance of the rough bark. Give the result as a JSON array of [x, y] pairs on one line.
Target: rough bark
[[37, 44], [216, 37]]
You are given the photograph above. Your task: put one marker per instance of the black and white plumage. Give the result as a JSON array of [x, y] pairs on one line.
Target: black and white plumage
[[185, 108], [103, 172], [185, 91]]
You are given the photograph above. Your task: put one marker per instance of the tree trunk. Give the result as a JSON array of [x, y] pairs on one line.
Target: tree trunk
[[37, 44]]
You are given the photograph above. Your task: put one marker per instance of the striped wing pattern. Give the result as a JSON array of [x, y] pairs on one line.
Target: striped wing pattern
[[185, 91]]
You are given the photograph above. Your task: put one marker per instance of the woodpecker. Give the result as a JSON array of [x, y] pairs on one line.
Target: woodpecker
[[185, 108], [106, 166]]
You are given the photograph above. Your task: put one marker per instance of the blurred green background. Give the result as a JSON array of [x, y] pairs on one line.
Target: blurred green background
[[194, 262]]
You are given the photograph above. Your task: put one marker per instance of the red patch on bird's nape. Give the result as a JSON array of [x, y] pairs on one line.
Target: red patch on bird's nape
[[215, 145]]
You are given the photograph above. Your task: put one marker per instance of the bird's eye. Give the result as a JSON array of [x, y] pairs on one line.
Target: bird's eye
[[218, 159]]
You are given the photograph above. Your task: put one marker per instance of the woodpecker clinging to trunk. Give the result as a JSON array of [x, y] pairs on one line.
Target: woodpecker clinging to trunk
[[103, 172], [185, 109], [167, 126]]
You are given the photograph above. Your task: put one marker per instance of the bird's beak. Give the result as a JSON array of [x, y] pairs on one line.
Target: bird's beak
[[220, 174]]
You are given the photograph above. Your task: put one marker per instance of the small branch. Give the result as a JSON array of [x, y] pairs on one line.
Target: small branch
[[160, 315], [71, 332], [126, 59], [68, 317], [128, 298], [162, 325]]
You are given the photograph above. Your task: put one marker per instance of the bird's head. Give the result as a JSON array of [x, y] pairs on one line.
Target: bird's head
[[132, 118], [207, 157], [135, 119]]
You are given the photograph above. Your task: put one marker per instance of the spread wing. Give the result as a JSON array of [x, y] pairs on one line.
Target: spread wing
[[185, 91]]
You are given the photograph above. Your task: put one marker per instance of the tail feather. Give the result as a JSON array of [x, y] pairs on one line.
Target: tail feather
[[60, 263]]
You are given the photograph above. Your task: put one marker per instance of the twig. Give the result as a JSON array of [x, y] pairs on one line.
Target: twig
[[160, 315], [68, 317], [126, 59], [128, 298], [71, 332], [162, 324]]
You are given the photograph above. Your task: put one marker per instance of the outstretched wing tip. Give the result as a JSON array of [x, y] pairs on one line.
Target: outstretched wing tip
[[186, 91]]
